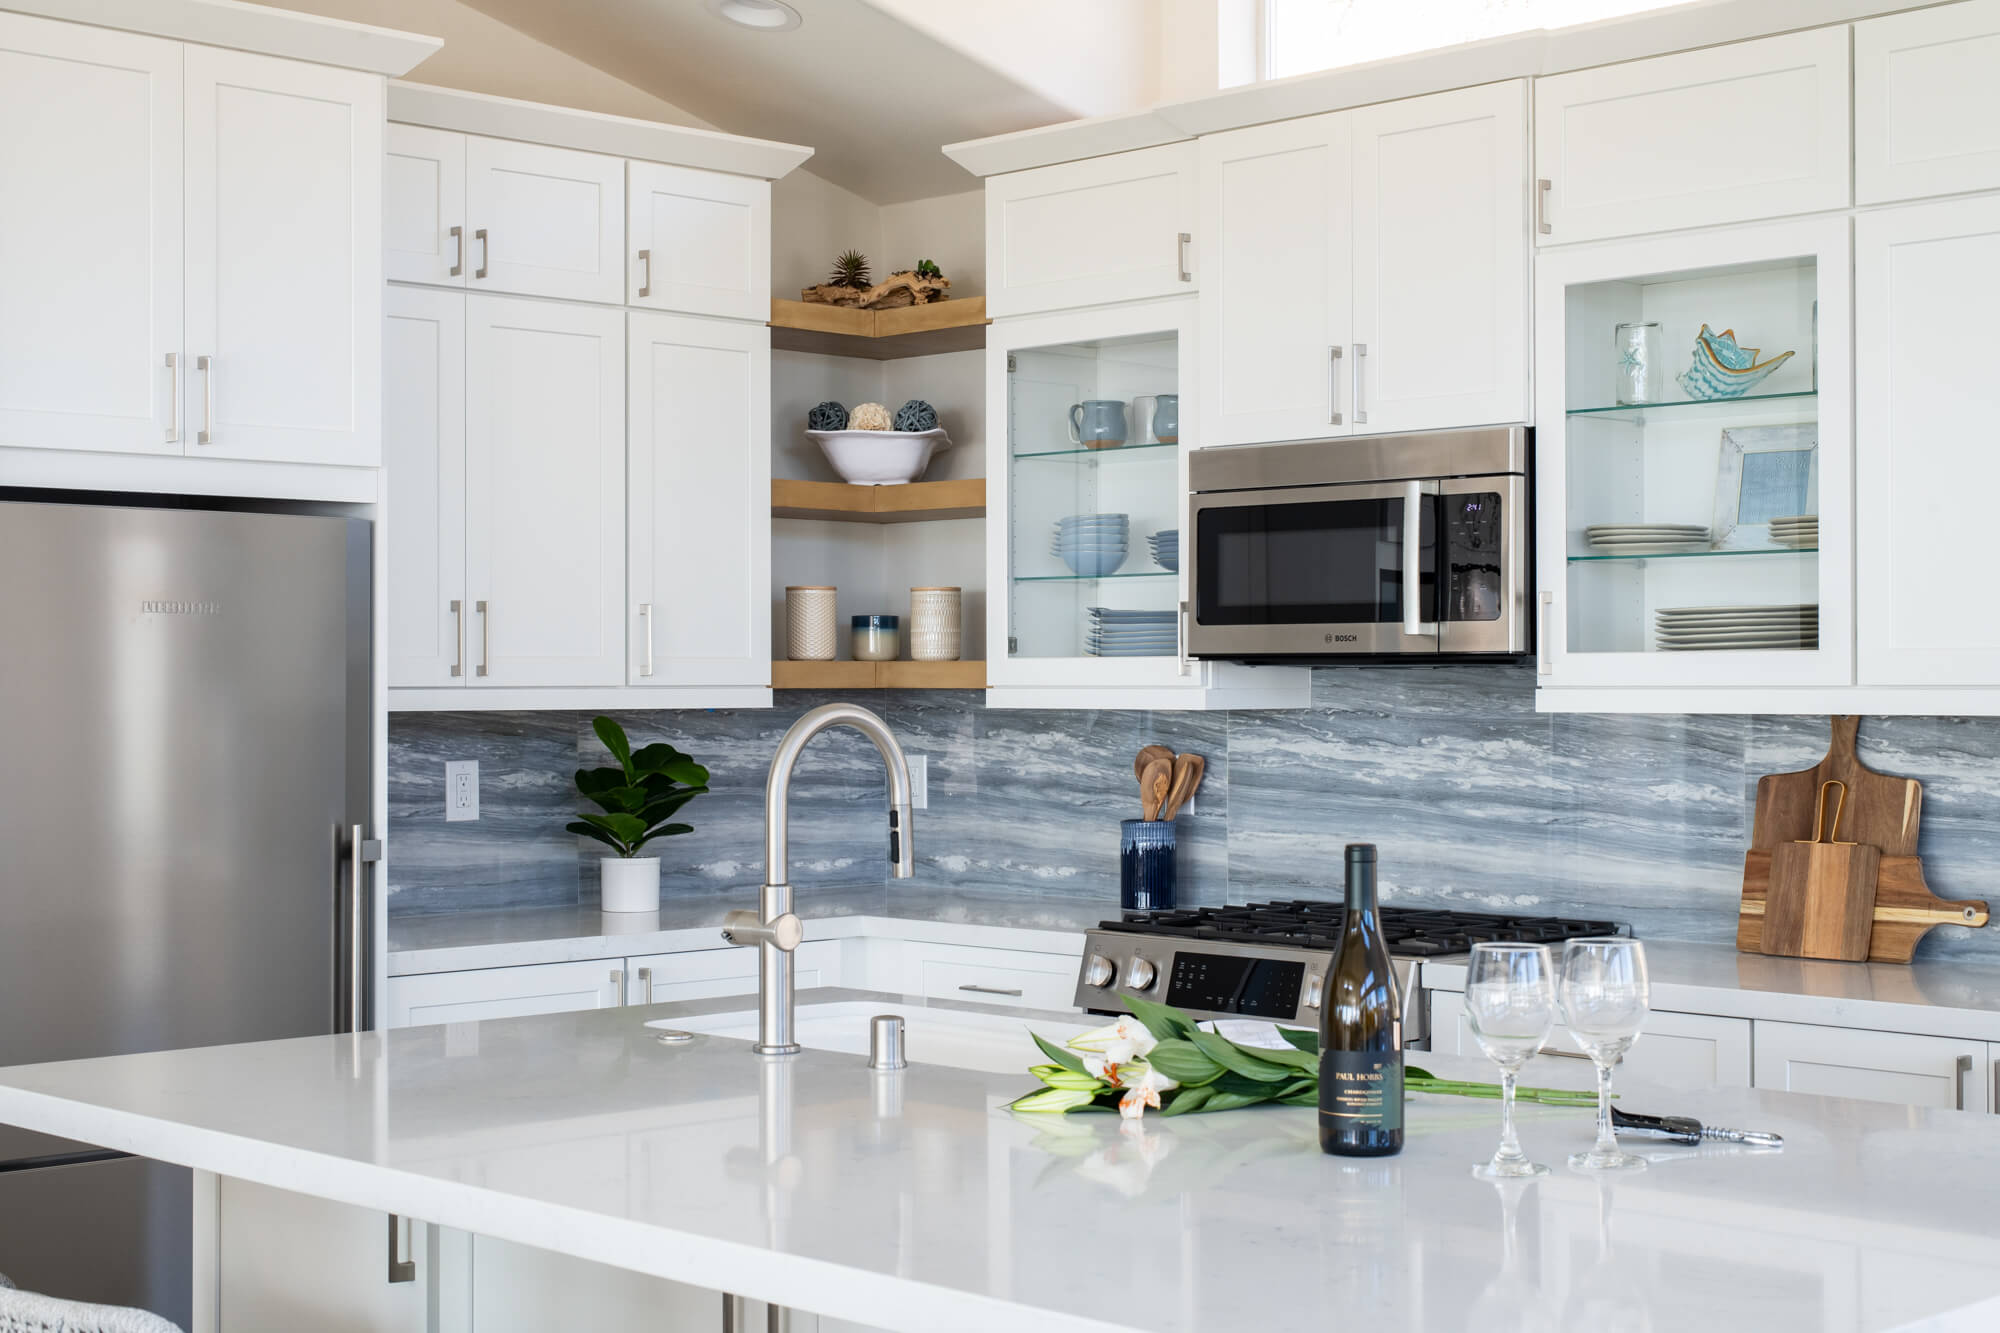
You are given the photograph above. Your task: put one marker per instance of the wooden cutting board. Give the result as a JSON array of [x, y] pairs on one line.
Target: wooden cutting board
[[1881, 811], [1905, 908]]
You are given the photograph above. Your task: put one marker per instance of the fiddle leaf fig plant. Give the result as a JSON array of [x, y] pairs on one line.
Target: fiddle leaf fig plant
[[640, 795]]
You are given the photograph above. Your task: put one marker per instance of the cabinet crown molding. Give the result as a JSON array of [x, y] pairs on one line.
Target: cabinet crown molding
[[238, 26]]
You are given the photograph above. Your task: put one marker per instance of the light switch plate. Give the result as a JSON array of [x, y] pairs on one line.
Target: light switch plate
[[461, 790], [920, 781]]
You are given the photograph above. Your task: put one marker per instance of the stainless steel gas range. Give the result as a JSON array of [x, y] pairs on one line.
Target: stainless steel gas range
[[1268, 960]]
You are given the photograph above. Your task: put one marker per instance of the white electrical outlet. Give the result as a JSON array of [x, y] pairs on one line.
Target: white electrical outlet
[[461, 790], [920, 781]]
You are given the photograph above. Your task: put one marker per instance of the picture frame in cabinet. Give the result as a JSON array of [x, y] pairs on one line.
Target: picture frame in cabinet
[[1763, 473]]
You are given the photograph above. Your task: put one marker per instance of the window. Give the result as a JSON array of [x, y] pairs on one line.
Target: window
[[1301, 36]]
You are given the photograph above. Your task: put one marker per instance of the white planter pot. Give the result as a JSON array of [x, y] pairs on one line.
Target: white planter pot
[[631, 884]]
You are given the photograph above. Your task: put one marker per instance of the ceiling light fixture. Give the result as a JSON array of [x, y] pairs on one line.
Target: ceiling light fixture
[[763, 15]]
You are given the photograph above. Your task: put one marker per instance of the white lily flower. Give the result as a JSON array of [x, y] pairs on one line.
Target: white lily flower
[[1143, 1090], [1126, 1039]]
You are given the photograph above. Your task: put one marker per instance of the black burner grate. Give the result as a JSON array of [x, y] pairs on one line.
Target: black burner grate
[[1421, 932]]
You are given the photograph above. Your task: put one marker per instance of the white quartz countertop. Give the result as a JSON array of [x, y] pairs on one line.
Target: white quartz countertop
[[914, 1201], [1943, 999]]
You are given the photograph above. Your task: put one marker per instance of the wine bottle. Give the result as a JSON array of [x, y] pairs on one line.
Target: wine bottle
[[1360, 1030]]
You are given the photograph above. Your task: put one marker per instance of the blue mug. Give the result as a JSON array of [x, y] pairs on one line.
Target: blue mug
[[1097, 423], [1167, 418]]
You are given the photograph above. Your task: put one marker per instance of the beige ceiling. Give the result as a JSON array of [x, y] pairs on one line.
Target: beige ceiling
[[873, 96]]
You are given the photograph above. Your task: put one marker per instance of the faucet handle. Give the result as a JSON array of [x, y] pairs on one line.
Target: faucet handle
[[783, 932]]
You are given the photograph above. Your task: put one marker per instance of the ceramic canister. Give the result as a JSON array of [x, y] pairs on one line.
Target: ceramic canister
[[809, 622], [935, 634]]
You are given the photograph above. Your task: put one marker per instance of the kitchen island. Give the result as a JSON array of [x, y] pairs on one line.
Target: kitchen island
[[915, 1201]]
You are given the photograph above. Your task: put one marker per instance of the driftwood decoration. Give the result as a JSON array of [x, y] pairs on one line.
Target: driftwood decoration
[[894, 292]]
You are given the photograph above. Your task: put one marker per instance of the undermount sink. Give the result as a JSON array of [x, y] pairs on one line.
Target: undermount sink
[[993, 1043]]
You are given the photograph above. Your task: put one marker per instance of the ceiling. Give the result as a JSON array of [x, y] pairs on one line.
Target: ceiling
[[874, 97]]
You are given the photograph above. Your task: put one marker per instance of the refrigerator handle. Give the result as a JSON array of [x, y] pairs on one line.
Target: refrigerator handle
[[351, 902]]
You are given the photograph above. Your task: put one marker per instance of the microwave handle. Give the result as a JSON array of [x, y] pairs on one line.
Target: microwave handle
[[1413, 538]]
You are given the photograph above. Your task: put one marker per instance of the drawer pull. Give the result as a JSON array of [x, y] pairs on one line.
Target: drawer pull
[[1561, 1053], [991, 990]]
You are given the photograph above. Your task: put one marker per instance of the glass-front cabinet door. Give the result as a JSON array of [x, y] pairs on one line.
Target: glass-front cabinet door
[[1694, 460], [1088, 428]]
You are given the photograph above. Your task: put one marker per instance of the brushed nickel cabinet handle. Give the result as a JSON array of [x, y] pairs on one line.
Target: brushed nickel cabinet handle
[[402, 1270], [1181, 256], [174, 398], [1360, 383], [485, 252], [646, 287], [1542, 188], [458, 634], [1543, 666], [1181, 623], [1333, 355], [646, 614], [485, 638], [617, 986], [458, 261], [1560, 1053], [206, 365], [1959, 1069], [992, 990], [645, 985]]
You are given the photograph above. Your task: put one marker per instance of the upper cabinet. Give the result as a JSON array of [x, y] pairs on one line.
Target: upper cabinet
[[1117, 228], [1756, 129], [700, 241], [1927, 102], [544, 221], [190, 249], [1367, 271], [423, 206]]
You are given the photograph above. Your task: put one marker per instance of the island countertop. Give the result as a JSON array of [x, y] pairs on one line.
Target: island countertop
[[916, 1201]]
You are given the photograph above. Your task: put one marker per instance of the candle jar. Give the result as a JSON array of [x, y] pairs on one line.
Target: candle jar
[[1640, 377], [877, 638], [809, 623], [934, 624]]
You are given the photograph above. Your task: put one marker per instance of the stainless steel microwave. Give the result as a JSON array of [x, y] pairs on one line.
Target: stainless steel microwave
[[1396, 546]]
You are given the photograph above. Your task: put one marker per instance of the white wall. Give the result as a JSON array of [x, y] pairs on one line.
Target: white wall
[[949, 230], [1095, 57]]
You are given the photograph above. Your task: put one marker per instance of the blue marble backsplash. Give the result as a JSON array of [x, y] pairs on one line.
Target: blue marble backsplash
[[1475, 800]]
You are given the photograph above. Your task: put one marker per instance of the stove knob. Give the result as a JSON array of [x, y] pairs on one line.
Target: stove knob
[[1314, 985], [1098, 971], [1139, 974]]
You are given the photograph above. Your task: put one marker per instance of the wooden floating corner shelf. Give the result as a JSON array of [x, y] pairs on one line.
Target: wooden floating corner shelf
[[913, 502], [879, 335], [788, 675]]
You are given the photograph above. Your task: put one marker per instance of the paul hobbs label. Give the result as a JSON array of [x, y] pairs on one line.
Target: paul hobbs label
[[1362, 1086]]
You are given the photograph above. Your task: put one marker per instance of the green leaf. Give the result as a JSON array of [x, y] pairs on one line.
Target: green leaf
[[1223, 1100], [1288, 1057], [1187, 1099], [1183, 1061], [654, 757], [1310, 1097], [613, 736], [1299, 1086], [1300, 1038], [628, 829], [592, 831], [1066, 1059], [1412, 1072], [591, 781], [655, 807], [1052, 1099], [1163, 1021], [665, 831], [1233, 1057], [621, 800]]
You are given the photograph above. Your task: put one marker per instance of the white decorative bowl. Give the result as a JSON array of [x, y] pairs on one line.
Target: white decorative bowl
[[880, 457]]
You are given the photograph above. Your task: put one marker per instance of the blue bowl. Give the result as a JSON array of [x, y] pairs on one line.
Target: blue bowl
[[1093, 564]]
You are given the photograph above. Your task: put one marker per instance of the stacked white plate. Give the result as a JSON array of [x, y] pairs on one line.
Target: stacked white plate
[[1798, 530], [1117, 633], [1166, 546], [1683, 629], [1640, 538]]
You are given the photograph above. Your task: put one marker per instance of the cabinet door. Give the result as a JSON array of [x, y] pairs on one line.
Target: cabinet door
[[700, 471], [90, 238], [544, 221], [423, 206], [311, 1265], [1118, 228], [700, 241], [1675, 1050], [1440, 261], [1873, 1066], [1724, 134], [423, 455], [1926, 104], [1276, 303], [708, 973], [1927, 280], [504, 992], [284, 260], [545, 492], [993, 976]]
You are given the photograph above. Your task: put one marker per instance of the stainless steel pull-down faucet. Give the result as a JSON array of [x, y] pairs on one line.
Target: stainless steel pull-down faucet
[[774, 928]]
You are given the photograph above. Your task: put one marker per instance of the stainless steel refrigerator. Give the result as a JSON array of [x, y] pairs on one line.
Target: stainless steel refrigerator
[[184, 756]]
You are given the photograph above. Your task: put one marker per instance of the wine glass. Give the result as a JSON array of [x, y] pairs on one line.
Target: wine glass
[[1604, 1001], [1510, 1004]]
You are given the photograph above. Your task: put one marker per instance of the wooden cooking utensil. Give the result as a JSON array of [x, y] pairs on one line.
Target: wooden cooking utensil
[[1153, 784], [1147, 754], [1188, 769], [1821, 899]]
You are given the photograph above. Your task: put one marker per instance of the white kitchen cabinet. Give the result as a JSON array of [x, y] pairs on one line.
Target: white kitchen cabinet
[[544, 221], [1277, 301], [1898, 1067], [699, 467], [1675, 1051], [1014, 977], [423, 456], [90, 238], [1440, 233], [503, 992], [283, 274], [1116, 228], [1730, 133], [423, 205], [699, 241], [545, 493], [1927, 281], [307, 1265], [1926, 102], [707, 973]]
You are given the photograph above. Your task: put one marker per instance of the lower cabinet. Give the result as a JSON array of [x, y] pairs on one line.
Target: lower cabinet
[[306, 1265], [1897, 1067], [708, 973], [503, 992], [1676, 1050], [1016, 977]]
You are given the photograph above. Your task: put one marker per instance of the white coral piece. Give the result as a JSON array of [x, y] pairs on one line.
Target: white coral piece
[[868, 416]]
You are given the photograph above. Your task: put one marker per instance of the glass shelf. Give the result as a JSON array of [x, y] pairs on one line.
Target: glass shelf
[[1093, 578], [1641, 412], [1699, 555], [1098, 454]]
